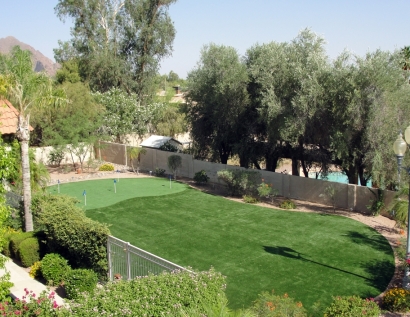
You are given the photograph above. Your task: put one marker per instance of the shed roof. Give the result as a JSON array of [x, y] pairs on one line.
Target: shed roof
[[8, 117], [155, 141]]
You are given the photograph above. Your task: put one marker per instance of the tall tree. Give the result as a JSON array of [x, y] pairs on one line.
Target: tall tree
[[27, 90], [216, 99], [285, 89], [118, 43]]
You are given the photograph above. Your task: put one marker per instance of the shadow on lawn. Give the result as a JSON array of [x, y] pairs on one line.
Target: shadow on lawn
[[371, 239], [293, 254], [381, 273]]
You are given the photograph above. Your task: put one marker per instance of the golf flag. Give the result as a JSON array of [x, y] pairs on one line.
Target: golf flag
[[85, 198], [58, 185], [115, 187]]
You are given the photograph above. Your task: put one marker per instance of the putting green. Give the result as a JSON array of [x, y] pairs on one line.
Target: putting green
[[101, 193]]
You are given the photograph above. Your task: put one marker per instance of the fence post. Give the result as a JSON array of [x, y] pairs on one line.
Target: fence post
[[126, 156], [109, 259], [128, 261]]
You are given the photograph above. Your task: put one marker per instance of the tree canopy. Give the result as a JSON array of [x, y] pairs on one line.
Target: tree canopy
[[288, 100], [117, 43]]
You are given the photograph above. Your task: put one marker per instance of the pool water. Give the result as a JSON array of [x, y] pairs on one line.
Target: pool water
[[338, 177]]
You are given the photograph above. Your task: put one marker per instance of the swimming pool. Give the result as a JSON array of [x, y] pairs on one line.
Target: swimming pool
[[338, 177]]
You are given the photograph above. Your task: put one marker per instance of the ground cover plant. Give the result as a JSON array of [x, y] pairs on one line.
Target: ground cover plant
[[311, 257]]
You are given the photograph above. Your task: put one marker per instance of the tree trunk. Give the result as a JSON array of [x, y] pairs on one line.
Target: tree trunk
[[23, 135], [295, 167]]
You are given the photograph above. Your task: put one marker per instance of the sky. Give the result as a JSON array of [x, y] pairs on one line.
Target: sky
[[359, 26]]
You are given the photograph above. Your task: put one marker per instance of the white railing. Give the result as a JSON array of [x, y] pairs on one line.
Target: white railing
[[126, 261]]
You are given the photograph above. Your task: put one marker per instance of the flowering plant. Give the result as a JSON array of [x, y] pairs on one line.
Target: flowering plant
[[267, 190], [30, 305]]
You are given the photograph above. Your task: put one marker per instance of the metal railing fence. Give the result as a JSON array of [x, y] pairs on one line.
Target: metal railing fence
[[126, 261]]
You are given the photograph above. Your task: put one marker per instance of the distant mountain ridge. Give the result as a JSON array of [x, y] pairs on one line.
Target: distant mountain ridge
[[40, 61]]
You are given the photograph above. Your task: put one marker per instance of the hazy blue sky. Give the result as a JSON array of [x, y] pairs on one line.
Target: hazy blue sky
[[357, 25]]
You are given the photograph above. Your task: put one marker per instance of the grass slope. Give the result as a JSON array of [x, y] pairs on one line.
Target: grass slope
[[309, 256]]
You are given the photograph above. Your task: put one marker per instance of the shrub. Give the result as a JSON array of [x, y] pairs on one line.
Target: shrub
[[167, 146], [16, 240], [159, 172], [153, 295], [397, 300], [249, 199], [54, 268], [6, 248], [29, 305], [29, 251], [269, 304], [240, 182], [56, 155], [81, 240], [35, 270], [201, 177], [267, 190], [174, 162], [352, 306], [287, 204], [106, 168], [79, 281]]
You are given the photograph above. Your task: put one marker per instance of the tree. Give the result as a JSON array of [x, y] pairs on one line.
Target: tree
[[174, 162], [284, 87], [118, 43], [125, 115], [135, 155], [216, 99], [27, 90]]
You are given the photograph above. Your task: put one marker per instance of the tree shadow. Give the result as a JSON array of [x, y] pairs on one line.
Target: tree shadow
[[293, 254], [381, 273], [372, 239]]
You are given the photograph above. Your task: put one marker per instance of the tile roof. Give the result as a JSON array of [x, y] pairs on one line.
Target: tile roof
[[8, 117]]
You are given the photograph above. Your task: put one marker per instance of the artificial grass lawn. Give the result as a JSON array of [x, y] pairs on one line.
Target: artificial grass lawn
[[101, 193], [312, 257]]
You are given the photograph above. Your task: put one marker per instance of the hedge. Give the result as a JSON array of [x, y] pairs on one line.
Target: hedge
[[16, 240], [29, 251], [81, 240]]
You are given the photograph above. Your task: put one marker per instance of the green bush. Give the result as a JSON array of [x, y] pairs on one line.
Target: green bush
[[29, 251], [169, 147], [159, 172], [6, 248], [106, 168], [54, 268], [271, 305], [201, 177], [56, 155], [287, 204], [174, 162], [16, 240], [397, 300], [249, 199], [266, 190], [153, 295], [352, 306], [81, 240], [240, 182], [78, 281]]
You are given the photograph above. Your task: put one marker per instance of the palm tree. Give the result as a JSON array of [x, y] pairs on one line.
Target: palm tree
[[27, 89]]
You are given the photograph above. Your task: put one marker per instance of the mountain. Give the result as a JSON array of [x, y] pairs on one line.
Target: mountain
[[40, 61]]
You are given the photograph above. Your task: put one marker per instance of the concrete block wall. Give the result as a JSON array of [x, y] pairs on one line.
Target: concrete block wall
[[351, 197]]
